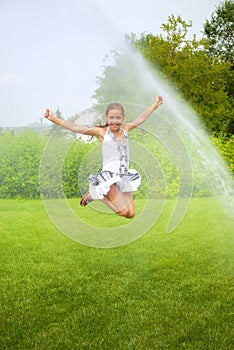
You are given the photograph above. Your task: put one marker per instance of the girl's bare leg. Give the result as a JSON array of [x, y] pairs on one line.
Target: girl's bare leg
[[120, 202]]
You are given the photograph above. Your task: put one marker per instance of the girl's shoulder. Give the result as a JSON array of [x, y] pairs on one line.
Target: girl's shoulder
[[100, 132], [126, 127]]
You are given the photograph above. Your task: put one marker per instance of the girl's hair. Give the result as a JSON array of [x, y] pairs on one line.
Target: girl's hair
[[112, 105]]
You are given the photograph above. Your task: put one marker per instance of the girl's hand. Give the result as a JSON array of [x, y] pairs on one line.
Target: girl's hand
[[48, 114], [159, 100]]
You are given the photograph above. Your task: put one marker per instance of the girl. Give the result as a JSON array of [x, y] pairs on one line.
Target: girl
[[115, 183]]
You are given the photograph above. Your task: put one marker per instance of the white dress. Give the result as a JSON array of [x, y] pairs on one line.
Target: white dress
[[115, 163]]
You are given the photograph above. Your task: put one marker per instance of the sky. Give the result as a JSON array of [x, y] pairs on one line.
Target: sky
[[52, 51]]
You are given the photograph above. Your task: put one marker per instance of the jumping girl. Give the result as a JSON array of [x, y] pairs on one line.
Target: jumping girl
[[115, 183]]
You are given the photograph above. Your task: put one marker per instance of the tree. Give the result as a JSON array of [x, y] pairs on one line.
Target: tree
[[184, 62], [58, 114], [219, 31], [54, 127], [118, 81]]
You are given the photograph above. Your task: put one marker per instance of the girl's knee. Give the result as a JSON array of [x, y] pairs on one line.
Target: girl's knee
[[129, 214]]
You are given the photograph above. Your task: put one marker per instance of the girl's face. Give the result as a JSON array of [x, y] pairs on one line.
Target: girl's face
[[114, 119]]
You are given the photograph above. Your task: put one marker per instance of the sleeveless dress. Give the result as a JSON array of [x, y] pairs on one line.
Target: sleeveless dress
[[115, 163]]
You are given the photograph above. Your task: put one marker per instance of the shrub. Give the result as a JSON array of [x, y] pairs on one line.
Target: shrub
[[67, 164]]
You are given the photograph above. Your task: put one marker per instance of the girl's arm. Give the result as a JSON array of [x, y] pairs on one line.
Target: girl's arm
[[145, 115], [82, 129]]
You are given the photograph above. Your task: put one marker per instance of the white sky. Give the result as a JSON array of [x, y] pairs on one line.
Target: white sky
[[53, 50]]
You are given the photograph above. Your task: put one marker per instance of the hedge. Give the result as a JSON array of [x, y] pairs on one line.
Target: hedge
[[21, 160]]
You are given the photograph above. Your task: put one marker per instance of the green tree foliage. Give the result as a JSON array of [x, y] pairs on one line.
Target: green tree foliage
[[54, 127], [203, 80], [225, 145], [220, 30], [118, 81]]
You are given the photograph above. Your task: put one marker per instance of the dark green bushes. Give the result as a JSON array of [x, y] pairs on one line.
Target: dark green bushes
[[67, 164], [19, 163]]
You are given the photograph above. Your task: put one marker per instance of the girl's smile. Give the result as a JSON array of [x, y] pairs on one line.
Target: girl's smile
[[114, 119]]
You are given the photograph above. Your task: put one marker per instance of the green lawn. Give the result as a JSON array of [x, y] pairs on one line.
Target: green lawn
[[163, 291]]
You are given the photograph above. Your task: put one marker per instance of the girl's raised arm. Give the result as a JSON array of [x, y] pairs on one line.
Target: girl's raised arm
[[145, 115], [82, 129]]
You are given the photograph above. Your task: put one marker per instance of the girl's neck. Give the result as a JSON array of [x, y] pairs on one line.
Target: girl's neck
[[118, 134]]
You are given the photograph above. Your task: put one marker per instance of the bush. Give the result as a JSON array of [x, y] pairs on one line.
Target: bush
[[66, 173], [19, 163], [225, 146]]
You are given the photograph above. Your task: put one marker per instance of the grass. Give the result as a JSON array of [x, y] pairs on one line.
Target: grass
[[163, 291]]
